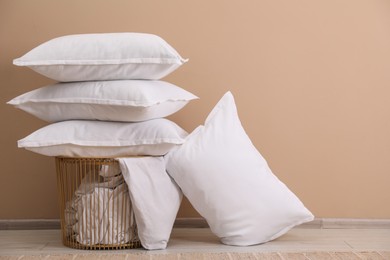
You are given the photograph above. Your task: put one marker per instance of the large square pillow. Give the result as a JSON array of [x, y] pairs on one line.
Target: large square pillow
[[115, 100], [155, 198], [103, 56], [82, 138], [230, 184]]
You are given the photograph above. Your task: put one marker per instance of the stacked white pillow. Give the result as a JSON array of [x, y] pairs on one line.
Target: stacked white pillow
[[114, 100], [111, 77], [111, 103], [103, 56]]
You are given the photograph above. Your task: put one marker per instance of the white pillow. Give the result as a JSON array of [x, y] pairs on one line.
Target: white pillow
[[116, 100], [104, 56], [81, 138], [230, 184], [155, 199]]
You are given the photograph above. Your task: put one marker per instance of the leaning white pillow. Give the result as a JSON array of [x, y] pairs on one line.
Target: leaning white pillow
[[230, 184], [103, 56], [82, 138], [116, 100]]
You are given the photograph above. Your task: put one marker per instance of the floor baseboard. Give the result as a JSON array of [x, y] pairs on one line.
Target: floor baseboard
[[320, 223], [29, 224], [335, 223]]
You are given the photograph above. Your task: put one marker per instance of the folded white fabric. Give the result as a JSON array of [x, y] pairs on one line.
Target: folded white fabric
[[115, 100], [155, 199], [100, 212], [94, 180], [230, 184], [103, 56], [108, 171], [103, 216]]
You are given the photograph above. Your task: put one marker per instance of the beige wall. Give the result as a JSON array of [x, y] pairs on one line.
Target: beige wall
[[311, 81]]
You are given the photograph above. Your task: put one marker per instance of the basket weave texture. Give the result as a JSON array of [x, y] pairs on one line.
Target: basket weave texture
[[95, 207]]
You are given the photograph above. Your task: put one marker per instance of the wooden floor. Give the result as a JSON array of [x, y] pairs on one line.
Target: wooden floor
[[184, 240]]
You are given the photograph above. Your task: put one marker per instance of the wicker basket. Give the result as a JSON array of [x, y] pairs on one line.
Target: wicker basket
[[95, 207]]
